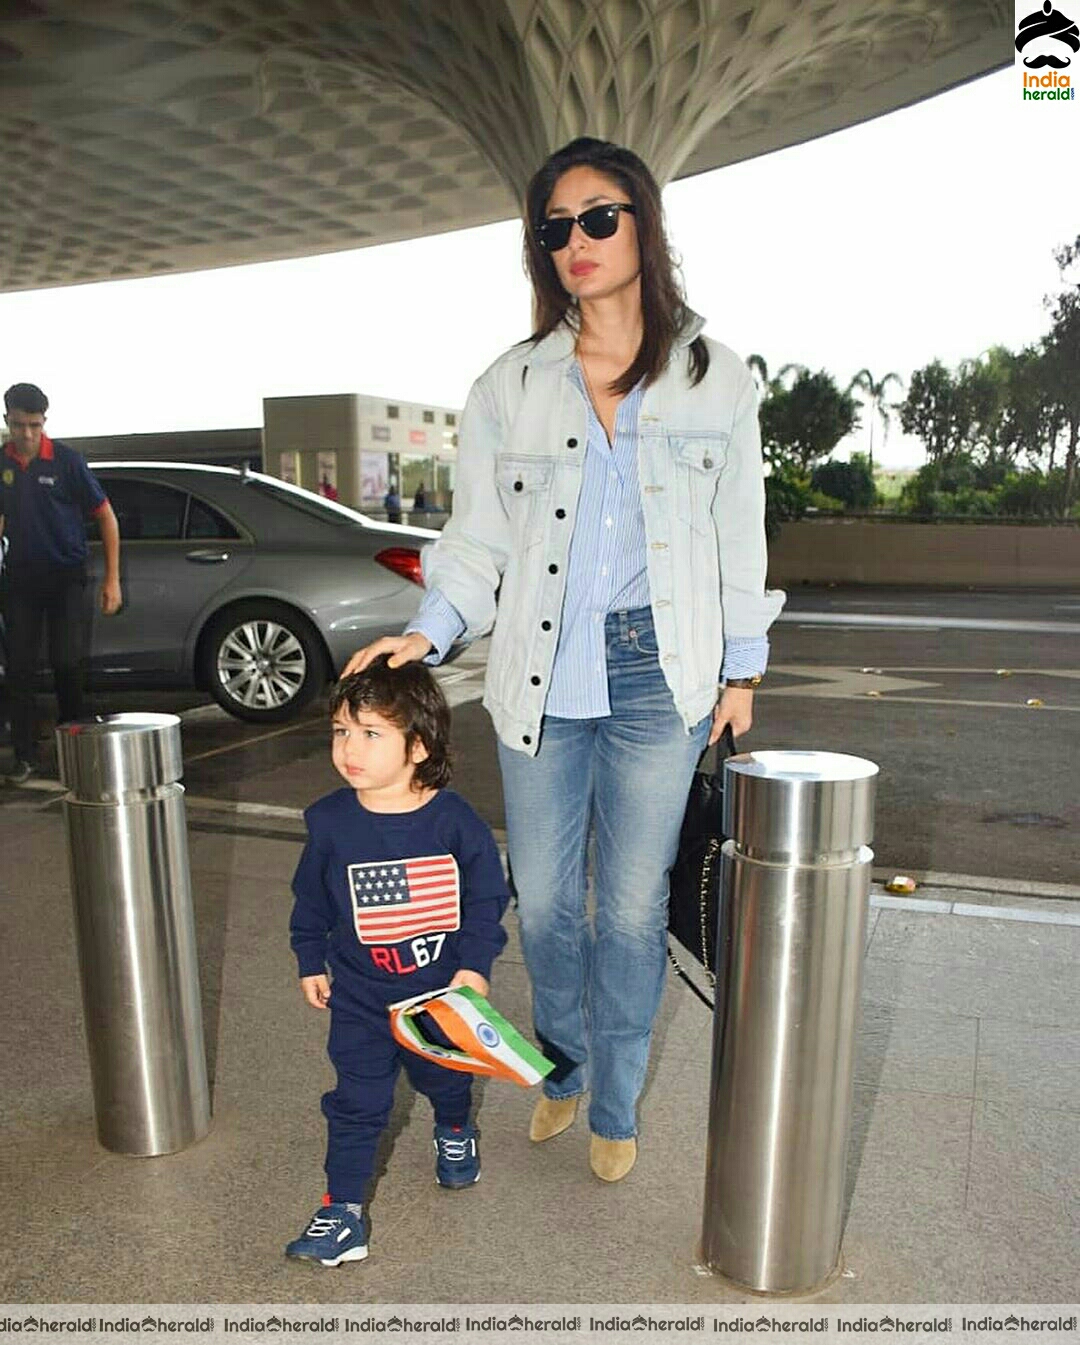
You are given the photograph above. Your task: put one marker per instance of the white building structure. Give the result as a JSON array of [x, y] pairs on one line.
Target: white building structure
[[351, 447]]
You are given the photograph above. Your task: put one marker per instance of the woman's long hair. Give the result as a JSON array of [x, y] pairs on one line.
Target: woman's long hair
[[663, 305]]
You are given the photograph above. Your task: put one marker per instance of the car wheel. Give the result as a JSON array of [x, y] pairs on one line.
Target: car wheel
[[263, 661]]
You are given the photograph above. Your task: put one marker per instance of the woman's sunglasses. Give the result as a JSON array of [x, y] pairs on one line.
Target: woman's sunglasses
[[599, 221]]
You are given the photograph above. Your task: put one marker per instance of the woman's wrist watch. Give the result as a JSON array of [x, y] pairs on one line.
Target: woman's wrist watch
[[745, 683]]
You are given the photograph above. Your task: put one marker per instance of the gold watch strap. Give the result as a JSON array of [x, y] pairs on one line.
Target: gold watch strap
[[747, 683]]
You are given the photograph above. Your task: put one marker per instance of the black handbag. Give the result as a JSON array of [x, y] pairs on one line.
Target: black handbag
[[694, 905]]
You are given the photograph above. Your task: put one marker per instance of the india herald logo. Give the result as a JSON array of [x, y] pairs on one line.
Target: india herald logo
[[1047, 27]]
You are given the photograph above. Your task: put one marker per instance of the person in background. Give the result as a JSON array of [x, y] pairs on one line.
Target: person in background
[[392, 504], [419, 499], [47, 493], [608, 522]]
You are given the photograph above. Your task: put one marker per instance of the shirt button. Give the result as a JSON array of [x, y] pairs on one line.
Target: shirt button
[[560, 513], [608, 522], [571, 443], [545, 625], [535, 681], [553, 569], [603, 569]]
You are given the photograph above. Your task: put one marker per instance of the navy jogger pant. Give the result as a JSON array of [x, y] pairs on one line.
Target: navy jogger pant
[[367, 1060]]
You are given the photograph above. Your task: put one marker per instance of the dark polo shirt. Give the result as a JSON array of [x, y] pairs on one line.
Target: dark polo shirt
[[45, 503]]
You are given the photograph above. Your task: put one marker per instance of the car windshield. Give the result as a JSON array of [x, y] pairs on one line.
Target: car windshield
[[329, 511]]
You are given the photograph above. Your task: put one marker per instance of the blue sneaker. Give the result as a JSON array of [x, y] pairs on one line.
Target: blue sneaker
[[457, 1156], [334, 1235]]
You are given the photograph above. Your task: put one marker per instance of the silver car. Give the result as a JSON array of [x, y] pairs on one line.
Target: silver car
[[245, 586]]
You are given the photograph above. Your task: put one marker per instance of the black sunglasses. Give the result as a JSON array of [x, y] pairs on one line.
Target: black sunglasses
[[599, 221]]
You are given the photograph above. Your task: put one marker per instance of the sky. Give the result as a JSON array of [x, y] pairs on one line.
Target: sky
[[926, 233]]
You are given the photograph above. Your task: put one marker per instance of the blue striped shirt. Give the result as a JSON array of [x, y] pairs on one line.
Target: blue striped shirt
[[606, 572]]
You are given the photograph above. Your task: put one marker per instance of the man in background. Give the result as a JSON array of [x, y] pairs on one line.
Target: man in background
[[47, 493]]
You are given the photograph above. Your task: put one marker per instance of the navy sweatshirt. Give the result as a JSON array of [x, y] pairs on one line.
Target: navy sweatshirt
[[402, 899]]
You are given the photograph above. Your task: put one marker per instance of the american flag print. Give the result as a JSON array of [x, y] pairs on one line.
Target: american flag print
[[398, 899]]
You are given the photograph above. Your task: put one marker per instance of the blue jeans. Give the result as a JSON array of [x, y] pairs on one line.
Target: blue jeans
[[596, 991]]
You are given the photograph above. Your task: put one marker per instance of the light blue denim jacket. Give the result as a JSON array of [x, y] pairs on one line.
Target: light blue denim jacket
[[501, 559]]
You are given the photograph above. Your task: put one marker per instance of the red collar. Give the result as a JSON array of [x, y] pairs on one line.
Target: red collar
[[45, 452]]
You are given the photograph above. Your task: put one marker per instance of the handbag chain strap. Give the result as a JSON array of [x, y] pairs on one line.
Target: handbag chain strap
[[706, 869], [706, 873], [711, 849]]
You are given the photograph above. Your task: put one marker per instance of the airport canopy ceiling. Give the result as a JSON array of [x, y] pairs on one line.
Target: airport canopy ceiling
[[176, 135]]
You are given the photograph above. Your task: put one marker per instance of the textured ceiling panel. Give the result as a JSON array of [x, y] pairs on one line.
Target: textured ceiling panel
[[171, 135]]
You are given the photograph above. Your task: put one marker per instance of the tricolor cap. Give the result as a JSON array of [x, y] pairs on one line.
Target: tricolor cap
[[483, 1041]]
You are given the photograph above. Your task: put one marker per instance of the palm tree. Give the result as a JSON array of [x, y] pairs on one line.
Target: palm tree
[[757, 366], [797, 369], [875, 392]]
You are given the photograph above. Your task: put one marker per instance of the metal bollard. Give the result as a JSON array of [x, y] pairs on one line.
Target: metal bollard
[[131, 888], [795, 884]]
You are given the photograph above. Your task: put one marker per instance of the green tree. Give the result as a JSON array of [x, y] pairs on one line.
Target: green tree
[[1031, 422], [935, 412], [1061, 362], [757, 366], [876, 391], [803, 423], [787, 496], [852, 483], [982, 389]]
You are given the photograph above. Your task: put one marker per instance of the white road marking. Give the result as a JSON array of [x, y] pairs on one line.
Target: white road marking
[[44, 786], [840, 682], [243, 808], [1033, 917], [927, 700], [884, 619], [927, 906], [197, 712], [886, 902]]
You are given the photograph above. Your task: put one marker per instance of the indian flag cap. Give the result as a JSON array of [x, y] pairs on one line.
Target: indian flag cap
[[484, 1042]]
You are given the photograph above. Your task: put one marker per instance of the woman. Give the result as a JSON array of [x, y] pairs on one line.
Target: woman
[[608, 523]]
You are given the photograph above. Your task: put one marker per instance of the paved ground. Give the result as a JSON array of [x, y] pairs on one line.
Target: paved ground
[[962, 1178], [934, 687]]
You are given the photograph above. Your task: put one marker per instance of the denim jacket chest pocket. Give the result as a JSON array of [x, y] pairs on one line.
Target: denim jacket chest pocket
[[524, 485], [700, 457]]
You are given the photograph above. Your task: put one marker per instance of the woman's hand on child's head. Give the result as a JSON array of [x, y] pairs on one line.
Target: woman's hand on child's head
[[472, 979], [316, 990], [401, 648]]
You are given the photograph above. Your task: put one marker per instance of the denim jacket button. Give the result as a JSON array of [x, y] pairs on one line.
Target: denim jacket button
[[571, 443], [545, 625], [553, 569], [526, 739], [518, 485], [560, 513], [535, 681]]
